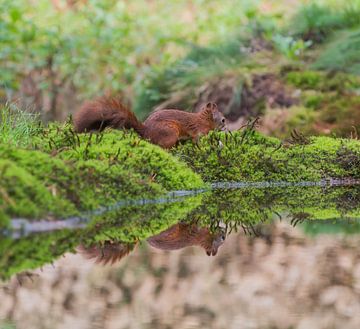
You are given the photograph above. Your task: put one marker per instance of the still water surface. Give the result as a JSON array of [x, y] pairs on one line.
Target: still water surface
[[240, 255]]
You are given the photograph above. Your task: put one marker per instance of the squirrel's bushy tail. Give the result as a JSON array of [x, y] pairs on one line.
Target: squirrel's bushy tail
[[106, 112]]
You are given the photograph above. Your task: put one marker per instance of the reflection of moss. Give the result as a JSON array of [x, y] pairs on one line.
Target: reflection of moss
[[235, 209], [135, 223], [128, 224], [248, 156], [34, 251], [251, 206]]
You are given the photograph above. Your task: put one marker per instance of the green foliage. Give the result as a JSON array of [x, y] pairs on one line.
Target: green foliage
[[316, 22], [101, 45], [288, 46], [17, 126], [341, 54], [322, 81], [199, 66]]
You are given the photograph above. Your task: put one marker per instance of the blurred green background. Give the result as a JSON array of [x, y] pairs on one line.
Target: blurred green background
[[294, 63]]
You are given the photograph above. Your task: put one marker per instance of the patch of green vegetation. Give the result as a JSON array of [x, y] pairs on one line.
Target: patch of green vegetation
[[17, 127], [199, 66], [248, 156], [325, 113], [301, 118], [343, 113], [341, 54], [321, 81], [316, 22], [68, 173]]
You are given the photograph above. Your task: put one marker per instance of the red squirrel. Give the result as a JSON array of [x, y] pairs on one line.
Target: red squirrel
[[163, 127], [178, 236]]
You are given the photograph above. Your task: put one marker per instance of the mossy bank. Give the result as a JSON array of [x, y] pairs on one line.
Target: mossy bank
[[62, 174]]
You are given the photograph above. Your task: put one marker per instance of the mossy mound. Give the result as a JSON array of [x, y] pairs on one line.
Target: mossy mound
[[66, 173], [249, 156]]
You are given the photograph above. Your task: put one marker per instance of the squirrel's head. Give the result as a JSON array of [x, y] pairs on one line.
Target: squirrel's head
[[215, 242], [216, 116]]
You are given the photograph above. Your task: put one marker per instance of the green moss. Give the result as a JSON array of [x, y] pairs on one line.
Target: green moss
[[248, 156], [24, 195], [305, 79], [300, 118], [69, 173]]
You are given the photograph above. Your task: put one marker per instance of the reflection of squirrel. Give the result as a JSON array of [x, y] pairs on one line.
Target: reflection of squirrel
[[178, 236], [162, 127]]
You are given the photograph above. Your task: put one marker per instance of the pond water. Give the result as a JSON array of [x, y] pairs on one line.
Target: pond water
[[236, 255]]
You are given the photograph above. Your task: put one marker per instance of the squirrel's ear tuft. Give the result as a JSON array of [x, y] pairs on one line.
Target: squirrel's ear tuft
[[211, 106]]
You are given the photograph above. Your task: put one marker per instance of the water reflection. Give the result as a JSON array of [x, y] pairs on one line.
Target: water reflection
[[196, 220], [178, 236]]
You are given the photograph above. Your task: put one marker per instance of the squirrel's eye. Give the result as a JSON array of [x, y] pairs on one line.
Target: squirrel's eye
[[223, 120]]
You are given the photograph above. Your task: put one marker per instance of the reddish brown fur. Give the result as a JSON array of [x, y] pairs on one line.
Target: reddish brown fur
[[183, 235], [164, 127], [178, 236]]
